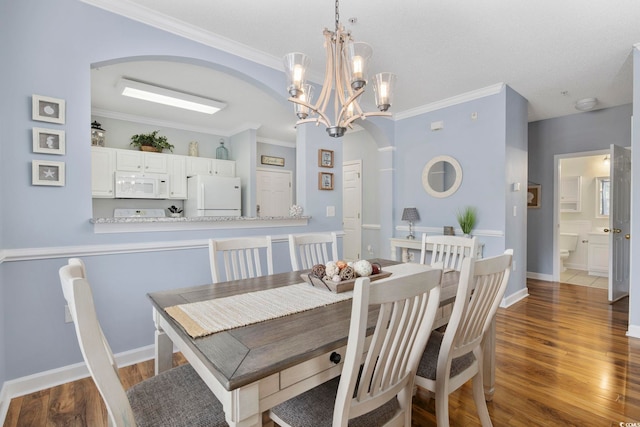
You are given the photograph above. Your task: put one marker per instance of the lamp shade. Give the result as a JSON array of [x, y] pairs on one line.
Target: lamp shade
[[410, 214]]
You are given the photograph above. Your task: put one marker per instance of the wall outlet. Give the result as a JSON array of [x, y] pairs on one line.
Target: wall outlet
[[67, 315]]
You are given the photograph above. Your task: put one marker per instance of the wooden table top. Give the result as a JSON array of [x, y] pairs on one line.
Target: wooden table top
[[241, 356]]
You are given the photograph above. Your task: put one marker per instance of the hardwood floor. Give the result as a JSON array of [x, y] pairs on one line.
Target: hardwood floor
[[562, 359]]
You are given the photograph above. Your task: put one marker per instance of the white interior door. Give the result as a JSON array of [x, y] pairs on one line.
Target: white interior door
[[273, 192], [619, 222], [351, 210]]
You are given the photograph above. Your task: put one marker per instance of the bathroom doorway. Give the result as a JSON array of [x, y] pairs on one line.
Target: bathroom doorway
[[582, 209], [592, 212]]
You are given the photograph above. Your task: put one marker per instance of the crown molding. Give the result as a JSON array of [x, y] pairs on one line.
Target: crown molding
[[454, 100], [276, 142], [157, 122], [175, 26], [172, 25]]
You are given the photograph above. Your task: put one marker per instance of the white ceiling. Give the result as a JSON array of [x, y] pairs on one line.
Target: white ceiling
[[551, 52]]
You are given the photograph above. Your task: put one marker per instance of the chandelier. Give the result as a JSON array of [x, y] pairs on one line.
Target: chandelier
[[345, 79]]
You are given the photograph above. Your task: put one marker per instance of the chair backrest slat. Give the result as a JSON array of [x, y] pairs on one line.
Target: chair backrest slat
[[407, 309], [447, 251], [482, 286], [307, 250], [241, 258]]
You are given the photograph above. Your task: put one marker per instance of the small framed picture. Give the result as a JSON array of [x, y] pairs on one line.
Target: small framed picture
[[46, 109], [325, 181], [47, 173], [325, 158], [48, 141], [273, 161], [533, 196]]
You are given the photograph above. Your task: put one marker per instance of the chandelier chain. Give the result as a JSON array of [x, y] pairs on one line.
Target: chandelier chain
[[337, 15]]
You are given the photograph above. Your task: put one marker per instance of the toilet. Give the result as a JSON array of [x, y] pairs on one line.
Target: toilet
[[568, 243]]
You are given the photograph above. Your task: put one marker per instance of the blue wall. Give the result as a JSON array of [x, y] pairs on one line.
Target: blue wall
[[479, 147], [44, 225], [634, 291], [51, 220], [588, 131]]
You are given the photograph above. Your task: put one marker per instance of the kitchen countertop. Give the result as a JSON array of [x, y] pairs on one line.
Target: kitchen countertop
[[141, 224]]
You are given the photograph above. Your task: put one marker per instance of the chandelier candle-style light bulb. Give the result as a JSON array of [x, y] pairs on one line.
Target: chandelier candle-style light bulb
[[302, 111], [383, 84], [345, 80], [358, 54], [295, 66]]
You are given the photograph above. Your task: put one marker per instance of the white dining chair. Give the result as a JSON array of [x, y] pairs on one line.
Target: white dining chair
[[447, 251], [177, 397], [241, 258], [307, 250], [455, 357], [375, 388]]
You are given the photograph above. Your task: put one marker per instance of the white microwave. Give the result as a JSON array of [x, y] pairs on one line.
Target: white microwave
[[131, 185]]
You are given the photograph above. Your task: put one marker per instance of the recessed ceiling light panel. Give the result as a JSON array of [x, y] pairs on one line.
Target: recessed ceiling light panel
[[160, 95]]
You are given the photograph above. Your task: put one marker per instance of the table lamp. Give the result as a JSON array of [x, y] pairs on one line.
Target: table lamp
[[411, 215]]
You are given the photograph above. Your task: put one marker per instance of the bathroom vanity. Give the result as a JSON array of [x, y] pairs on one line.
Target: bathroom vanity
[[598, 254]]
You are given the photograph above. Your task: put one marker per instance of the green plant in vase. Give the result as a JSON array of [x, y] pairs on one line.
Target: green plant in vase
[[151, 142], [467, 218]]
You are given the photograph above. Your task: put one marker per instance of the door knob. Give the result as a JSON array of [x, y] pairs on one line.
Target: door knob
[[335, 357], [606, 230], [627, 236], [617, 230]]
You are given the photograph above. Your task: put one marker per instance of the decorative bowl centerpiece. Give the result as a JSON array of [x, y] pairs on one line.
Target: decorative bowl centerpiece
[[340, 276]]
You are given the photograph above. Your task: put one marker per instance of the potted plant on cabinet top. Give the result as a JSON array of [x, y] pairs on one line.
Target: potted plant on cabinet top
[[467, 219], [151, 142]]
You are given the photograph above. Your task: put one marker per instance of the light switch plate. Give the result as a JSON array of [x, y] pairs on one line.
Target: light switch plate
[[331, 211]]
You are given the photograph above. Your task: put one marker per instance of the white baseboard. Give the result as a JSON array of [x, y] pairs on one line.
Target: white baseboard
[[65, 374], [514, 298], [633, 331], [540, 276]]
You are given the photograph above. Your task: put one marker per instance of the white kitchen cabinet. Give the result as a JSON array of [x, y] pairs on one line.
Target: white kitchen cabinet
[[199, 166], [207, 166], [177, 177], [225, 167], [598, 254], [571, 194], [103, 166], [105, 161], [141, 161]]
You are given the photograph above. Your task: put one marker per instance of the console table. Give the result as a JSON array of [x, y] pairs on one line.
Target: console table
[[405, 244]]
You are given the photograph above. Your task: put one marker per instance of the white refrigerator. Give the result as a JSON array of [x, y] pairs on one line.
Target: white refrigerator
[[210, 195]]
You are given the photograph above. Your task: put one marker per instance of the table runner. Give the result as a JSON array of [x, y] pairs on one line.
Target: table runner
[[204, 318]]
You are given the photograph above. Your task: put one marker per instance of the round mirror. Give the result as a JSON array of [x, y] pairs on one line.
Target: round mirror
[[442, 176]]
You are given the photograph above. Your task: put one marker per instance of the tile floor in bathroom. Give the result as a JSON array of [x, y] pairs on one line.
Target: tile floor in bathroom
[[580, 277]]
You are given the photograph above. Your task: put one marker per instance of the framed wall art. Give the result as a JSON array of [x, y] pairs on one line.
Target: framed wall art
[[48, 141], [47, 173], [273, 161], [47, 109], [533, 196], [325, 158], [325, 181]]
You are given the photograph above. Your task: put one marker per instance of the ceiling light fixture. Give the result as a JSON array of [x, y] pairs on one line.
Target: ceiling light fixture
[[345, 77], [586, 104], [170, 97]]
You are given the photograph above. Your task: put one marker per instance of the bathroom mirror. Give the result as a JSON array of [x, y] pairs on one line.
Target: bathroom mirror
[[603, 184], [442, 176]]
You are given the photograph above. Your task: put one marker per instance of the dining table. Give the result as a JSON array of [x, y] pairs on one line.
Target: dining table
[[260, 363]]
